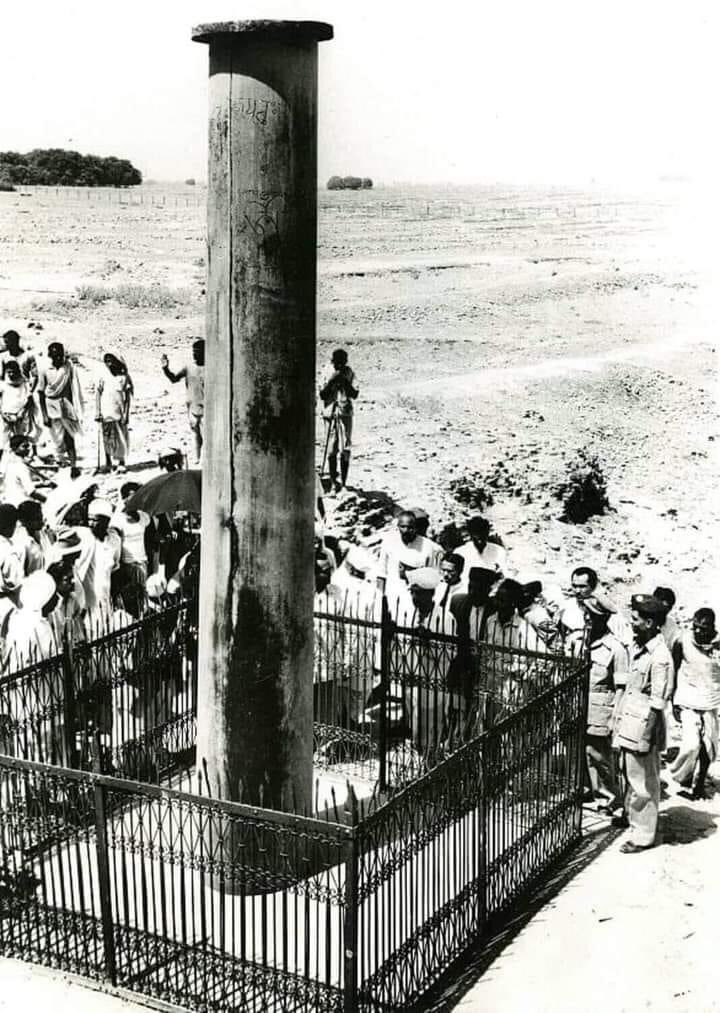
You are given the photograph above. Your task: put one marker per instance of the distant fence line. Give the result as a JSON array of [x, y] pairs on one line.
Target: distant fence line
[[118, 196], [408, 208]]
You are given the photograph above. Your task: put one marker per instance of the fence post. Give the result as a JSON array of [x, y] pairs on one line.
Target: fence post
[[386, 632], [69, 744], [350, 927], [103, 864]]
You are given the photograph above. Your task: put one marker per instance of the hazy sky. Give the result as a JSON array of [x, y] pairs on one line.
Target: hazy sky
[[511, 90]]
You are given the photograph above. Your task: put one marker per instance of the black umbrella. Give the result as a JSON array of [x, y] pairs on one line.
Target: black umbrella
[[178, 490]]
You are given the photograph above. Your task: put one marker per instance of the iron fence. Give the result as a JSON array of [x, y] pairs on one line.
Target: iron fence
[[393, 696], [214, 905], [201, 903], [126, 701], [477, 749], [449, 852]]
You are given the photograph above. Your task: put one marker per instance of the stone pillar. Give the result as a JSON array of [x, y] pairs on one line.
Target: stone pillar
[[256, 589]]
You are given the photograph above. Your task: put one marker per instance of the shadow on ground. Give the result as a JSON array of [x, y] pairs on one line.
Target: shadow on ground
[[470, 967], [683, 825]]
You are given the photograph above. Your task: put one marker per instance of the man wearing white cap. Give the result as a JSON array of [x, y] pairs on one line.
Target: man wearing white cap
[[30, 639], [30, 636], [355, 595], [99, 558], [423, 667], [353, 579]]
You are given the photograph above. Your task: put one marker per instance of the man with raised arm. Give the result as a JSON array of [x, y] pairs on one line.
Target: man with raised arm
[[193, 373]]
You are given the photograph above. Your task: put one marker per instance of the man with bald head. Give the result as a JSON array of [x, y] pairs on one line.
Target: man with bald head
[[403, 550]]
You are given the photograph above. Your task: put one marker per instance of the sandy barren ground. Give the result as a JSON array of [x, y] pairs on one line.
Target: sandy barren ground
[[489, 327]]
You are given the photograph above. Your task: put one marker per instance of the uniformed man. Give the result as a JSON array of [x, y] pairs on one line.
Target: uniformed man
[[609, 661], [640, 725]]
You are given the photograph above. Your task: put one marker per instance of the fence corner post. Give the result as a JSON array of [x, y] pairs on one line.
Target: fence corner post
[[386, 632], [70, 758], [350, 928], [103, 865]]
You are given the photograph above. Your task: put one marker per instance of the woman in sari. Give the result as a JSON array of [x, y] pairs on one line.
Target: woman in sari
[[114, 393], [61, 401]]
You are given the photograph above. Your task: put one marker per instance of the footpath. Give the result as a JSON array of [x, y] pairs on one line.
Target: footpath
[[613, 933]]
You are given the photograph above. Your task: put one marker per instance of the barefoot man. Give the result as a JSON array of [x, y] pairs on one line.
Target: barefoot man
[[338, 390], [194, 376]]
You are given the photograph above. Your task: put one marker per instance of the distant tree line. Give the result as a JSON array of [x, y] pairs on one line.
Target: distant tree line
[[57, 167], [349, 183]]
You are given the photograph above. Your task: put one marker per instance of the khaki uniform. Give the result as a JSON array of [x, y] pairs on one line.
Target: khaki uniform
[[652, 674], [608, 660]]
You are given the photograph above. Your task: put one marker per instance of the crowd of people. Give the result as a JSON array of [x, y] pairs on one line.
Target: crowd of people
[[647, 674], [77, 560]]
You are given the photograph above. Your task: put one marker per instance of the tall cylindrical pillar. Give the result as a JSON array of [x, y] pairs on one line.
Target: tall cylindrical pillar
[[256, 587]]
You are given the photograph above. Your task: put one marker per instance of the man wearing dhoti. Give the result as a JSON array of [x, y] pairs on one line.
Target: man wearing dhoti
[[113, 396], [696, 701], [61, 401]]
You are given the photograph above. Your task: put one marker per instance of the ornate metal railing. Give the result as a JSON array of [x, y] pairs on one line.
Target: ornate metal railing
[[478, 754], [124, 703]]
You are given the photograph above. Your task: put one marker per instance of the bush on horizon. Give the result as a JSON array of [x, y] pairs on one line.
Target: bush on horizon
[[583, 493], [58, 167], [349, 183]]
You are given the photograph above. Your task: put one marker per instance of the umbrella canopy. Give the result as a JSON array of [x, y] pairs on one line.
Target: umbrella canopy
[[178, 490]]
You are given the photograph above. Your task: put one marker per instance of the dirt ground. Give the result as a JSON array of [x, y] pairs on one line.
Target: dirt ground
[[495, 332]]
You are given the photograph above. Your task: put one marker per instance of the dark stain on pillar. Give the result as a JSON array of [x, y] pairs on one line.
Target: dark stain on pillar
[[267, 428], [254, 700]]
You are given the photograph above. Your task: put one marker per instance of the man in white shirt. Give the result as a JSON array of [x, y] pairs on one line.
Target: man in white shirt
[[131, 525], [194, 376], [451, 582], [584, 582], [11, 568], [401, 551], [478, 551], [99, 558], [30, 637], [507, 629], [16, 481], [32, 538], [423, 660], [29, 640]]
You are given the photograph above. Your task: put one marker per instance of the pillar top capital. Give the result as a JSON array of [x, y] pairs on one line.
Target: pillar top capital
[[285, 31]]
